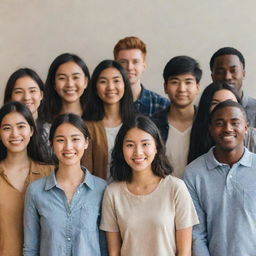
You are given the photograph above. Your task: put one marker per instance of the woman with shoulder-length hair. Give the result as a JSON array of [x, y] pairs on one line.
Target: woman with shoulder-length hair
[[200, 138], [109, 103], [145, 211], [21, 162], [66, 84]]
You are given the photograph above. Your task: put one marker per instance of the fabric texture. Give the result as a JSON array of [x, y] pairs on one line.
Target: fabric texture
[[225, 200], [249, 105], [11, 210], [54, 226], [147, 223], [150, 102]]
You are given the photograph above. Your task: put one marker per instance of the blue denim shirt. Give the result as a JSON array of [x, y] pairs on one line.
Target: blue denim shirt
[[225, 200], [55, 227], [150, 102]]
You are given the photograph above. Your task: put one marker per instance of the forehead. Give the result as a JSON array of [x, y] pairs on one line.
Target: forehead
[[229, 113], [129, 54], [13, 118], [25, 82], [67, 129], [186, 76], [223, 95], [69, 67], [227, 61], [110, 72], [136, 134]]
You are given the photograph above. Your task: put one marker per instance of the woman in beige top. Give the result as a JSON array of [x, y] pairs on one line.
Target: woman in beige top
[[21, 162], [146, 211]]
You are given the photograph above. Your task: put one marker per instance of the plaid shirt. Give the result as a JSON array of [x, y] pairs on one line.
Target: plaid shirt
[[150, 102]]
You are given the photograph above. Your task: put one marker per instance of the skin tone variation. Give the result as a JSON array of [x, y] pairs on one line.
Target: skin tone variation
[[227, 128], [133, 60], [27, 91], [15, 134], [229, 69], [139, 150], [70, 83], [182, 90]]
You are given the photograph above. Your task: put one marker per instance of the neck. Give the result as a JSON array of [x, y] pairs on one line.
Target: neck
[[35, 115], [144, 177], [112, 117], [20, 159], [228, 157], [136, 90], [73, 107]]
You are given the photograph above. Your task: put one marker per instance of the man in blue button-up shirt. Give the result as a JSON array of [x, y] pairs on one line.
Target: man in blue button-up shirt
[[222, 184]]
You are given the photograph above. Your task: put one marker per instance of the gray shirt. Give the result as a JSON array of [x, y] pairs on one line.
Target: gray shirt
[[249, 105], [225, 200]]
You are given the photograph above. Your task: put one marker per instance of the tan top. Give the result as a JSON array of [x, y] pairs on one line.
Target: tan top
[[11, 210], [147, 223]]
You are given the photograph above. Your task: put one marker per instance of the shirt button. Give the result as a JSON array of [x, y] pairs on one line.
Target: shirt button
[[230, 176], [69, 238]]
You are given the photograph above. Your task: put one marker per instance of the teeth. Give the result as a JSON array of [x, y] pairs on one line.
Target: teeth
[[15, 142], [68, 155], [138, 160]]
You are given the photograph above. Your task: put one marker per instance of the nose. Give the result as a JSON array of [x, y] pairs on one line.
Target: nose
[[138, 150], [70, 81], [228, 76], [27, 96], [182, 87], [67, 145], [130, 65], [14, 132], [228, 127], [110, 85]]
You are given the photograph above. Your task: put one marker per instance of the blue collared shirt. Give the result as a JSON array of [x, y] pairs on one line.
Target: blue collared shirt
[[225, 200], [55, 227], [150, 102]]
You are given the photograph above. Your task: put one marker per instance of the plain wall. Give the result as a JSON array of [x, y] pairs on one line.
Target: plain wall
[[33, 33]]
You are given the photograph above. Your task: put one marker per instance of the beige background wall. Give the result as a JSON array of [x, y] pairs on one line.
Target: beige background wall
[[33, 33]]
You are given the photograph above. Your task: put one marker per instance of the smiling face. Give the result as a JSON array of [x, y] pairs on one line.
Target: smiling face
[[15, 132], [110, 86], [70, 82], [182, 89], [27, 91], [227, 128], [133, 60], [69, 144], [139, 150]]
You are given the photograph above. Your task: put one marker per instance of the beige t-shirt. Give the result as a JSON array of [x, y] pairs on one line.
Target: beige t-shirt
[[147, 223]]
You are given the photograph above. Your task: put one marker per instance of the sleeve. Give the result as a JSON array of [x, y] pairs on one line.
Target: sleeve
[[200, 243], [31, 226], [185, 213], [108, 219]]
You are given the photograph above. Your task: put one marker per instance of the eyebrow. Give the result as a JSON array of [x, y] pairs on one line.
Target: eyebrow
[[129, 140], [31, 87], [72, 135], [15, 124], [103, 77], [63, 74]]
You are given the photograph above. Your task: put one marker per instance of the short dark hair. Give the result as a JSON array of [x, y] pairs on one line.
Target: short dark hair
[[119, 169], [227, 51], [52, 99], [72, 119], [94, 105], [224, 104], [23, 72], [35, 150], [182, 65]]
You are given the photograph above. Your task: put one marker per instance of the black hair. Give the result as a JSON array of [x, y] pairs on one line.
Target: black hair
[[119, 169], [182, 65], [72, 119], [35, 150], [227, 103], [94, 105], [200, 139], [23, 72], [227, 51], [52, 99]]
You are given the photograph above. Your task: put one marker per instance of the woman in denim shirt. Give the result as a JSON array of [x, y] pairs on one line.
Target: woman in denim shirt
[[62, 210]]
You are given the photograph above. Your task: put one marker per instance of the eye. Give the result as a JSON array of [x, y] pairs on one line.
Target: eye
[[219, 123], [17, 91], [129, 145], [60, 78], [102, 81], [59, 140], [145, 144], [173, 82], [136, 61], [22, 126], [6, 128], [76, 139], [117, 80]]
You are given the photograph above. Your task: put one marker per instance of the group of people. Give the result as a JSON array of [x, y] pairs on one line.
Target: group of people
[[100, 165]]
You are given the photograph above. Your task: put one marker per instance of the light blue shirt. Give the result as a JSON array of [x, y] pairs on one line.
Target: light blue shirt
[[55, 227], [225, 200]]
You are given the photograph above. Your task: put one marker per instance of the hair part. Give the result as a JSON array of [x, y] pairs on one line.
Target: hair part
[[119, 169], [227, 51], [130, 42], [182, 65]]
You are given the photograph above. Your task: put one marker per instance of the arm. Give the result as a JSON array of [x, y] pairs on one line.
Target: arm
[[184, 241], [31, 227], [114, 243]]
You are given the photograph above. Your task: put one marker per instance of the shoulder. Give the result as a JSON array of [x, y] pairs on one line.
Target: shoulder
[[155, 96], [174, 183], [41, 168], [160, 116], [114, 189], [37, 186], [98, 182]]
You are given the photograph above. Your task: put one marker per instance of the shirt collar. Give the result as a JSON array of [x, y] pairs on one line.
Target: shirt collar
[[52, 182], [143, 95], [212, 162]]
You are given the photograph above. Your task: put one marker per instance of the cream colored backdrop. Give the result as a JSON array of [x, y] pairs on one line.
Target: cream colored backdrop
[[34, 32]]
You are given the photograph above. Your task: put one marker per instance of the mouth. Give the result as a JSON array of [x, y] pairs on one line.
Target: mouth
[[69, 155], [15, 142], [70, 92], [139, 160], [228, 138]]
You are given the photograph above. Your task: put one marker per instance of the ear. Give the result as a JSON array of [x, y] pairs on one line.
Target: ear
[[198, 88], [85, 82], [41, 95], [244, 73], [86, 143], [31, 131], [165, 88]]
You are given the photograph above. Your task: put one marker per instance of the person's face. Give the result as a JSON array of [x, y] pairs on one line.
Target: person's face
[[228, 128], [221, 96], [27, 91], [69, 144], [15, 132], [133, 60], [229, 69], [70, 82], [139, 150], [110, 86], [182, 89]]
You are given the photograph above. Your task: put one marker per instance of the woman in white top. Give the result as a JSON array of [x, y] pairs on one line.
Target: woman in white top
[[146, 211], [108, 105]]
